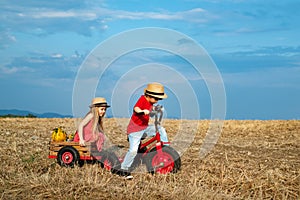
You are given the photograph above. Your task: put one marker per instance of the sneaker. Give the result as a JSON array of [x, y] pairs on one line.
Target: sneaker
[[125, 173], [128, 177]]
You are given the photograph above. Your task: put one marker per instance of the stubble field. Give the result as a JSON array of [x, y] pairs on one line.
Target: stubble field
[[252, 160]]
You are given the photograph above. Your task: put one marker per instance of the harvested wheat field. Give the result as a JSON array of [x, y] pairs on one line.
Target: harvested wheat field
[[252, 160]]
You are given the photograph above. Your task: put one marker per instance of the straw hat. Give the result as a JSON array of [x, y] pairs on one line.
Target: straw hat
[[99, 102], [155, 90]]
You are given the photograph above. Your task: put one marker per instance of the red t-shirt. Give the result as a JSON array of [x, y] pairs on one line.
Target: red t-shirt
[[139, 121]]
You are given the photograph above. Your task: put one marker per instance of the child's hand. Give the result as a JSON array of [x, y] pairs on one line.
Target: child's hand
[[81, 143], [146, 112]]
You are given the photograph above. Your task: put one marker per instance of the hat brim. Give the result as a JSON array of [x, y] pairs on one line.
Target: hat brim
[[100, 105], [154, 94]]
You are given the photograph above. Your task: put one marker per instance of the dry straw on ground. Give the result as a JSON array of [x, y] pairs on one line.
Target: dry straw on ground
[[252, 160]]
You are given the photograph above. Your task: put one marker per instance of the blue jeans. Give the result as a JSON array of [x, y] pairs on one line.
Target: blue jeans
[[134, 141]]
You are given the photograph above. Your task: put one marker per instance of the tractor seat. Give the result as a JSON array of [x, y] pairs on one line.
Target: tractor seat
[[142, 138]]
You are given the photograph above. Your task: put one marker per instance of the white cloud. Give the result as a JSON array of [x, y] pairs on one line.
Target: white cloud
[[192, 15], [14, 70], [95, 13], [6, 37], [57, 55], [63, 14]]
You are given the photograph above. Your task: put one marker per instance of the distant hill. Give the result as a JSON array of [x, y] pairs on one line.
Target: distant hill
[[23, 113]]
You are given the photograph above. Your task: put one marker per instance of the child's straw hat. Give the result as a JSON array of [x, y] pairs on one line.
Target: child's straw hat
[[155, 90], [99, 102]]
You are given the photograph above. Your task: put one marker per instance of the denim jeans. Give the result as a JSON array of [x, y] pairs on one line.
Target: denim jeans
[[134, 141]]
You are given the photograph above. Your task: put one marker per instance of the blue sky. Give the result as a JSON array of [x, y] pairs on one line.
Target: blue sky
[[254, 44]]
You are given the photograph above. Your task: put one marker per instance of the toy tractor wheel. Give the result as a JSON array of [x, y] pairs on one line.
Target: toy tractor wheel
[[109, 161], [167, 161], [68, 156]]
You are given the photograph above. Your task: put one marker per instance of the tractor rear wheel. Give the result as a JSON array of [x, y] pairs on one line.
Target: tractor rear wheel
[[166, 161]]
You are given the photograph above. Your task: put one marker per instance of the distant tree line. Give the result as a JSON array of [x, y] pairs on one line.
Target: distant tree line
[[17, 116]]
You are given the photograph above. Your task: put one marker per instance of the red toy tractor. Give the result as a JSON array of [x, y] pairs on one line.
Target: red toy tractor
[[158, 157]]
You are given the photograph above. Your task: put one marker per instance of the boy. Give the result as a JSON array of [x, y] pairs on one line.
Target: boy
[[138, 124]]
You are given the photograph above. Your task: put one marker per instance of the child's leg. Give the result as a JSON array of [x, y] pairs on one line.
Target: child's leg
[[134, 141], [162, 131], [150, 130], [163, 134]]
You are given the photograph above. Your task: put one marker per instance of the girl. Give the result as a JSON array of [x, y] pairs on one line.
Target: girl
[[90, 128]]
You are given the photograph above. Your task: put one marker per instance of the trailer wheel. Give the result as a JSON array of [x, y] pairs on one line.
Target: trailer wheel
[[68, 156]]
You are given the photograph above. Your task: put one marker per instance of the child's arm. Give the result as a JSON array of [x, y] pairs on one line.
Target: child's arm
[[82, 124], [140, 111]]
